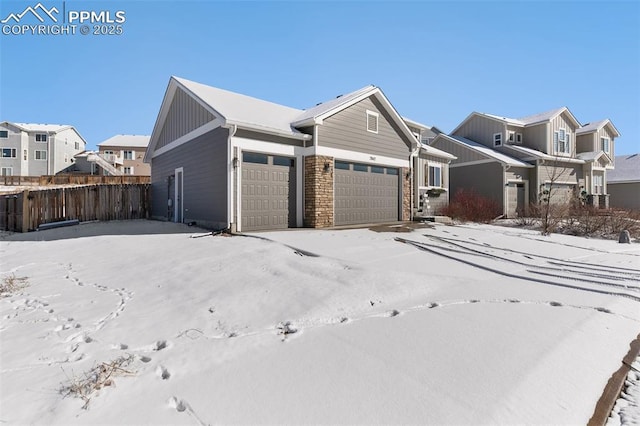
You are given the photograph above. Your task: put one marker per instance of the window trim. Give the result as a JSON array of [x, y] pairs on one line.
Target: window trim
[[566, 141], [124, 154], [40, 135], [124, 170], [35, 155], [428, 182], [602, 139], [376, 116], [5, 133], [497, 141], [511, 136], [3, 171], [518, 138], [14, 151]]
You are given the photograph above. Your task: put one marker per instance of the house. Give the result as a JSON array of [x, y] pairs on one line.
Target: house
[[515, 161], [37, 149], [126, 154], [226, 160], [623, 183]]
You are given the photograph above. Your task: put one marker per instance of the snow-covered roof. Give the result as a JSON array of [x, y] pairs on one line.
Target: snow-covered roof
[[505, 119], [597, 125], [430, 150], [530, 120], [535, 154], [627, 169], [245, 111], [590, 156], [309, 115], [486, 151], [416, 124], [35, 127], [134, 141]]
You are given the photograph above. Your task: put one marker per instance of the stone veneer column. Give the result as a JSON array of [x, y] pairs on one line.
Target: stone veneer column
[[406, 193], [318, 192]]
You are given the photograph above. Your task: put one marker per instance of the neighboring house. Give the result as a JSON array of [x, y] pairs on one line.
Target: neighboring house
[[513, 161], [623, 183], [430, 171], [226, 160], [126, 154], [37, 149]]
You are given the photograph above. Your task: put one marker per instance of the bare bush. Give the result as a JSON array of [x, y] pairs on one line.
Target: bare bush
[[11, 284], [467, 205], [100, 376]]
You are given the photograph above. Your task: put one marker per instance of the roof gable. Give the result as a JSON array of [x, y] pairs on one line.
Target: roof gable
[[483, 150], [530, 120], [596, 126], [627, 169]]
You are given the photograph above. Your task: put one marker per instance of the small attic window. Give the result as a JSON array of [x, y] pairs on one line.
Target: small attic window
[[372, 121]]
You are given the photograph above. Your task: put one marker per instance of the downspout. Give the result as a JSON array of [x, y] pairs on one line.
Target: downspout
[[232, 164], [505, 191], [412, 155]]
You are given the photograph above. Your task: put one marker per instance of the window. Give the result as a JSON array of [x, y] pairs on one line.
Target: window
[[128, 170], [598, 184], [129, 155], [518, 137], [497, 139], [41, 137], [9, 153], [40, 155], [605, 142], [24, 155], [252, 157], [392, 172], [372, 122], [342, 165], [6, 171], [66, 158], [4, 134], [562, 142], [434, 176], [77, 145], [376, 169], [512, 137], [360, 167], [282, 161]]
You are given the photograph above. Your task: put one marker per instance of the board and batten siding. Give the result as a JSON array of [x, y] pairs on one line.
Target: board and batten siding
[[481, 130], [562, 122], [204, 163], [185, 115], [347, 130], [519, 174], [587, 143]]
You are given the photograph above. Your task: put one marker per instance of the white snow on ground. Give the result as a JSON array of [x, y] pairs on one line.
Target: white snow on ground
[[460, 324], [627, 408]]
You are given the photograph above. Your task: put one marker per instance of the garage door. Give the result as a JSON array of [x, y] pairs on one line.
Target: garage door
[[268, 192], [561, 193], [365, 193]]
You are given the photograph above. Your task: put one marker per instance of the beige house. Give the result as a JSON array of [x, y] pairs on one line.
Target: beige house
[[37, 149], [126, 154], [514, 161]]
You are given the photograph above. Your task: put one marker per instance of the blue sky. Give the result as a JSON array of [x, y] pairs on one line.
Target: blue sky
[[435, 61]]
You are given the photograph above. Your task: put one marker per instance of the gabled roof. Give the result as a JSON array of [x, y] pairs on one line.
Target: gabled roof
[[133, 141], [627, 169], [539, 155], [244, 111], [596, 126], [591, 155], [34, 127], [315, 114], [530, 120], [484, 150], [430, 150]]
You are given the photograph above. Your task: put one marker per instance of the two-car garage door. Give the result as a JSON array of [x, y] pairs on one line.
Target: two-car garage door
[[365, 193]]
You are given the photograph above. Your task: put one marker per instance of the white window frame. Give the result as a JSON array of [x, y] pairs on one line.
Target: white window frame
[[40, 136], [40, 151], [5, 133], [14, 151], [76, 145], [511, 136], [518, 138], [6, 171], [375, 116], [428, 175], [127, 170], [124, 154], [497, 141], [598, 184], [564, 142], [604, 141]]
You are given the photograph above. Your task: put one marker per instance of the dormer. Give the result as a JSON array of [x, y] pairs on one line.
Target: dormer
[[597, 136]]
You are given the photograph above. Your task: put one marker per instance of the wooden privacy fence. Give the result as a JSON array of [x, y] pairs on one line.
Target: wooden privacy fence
[[72, 180], [27, 210]]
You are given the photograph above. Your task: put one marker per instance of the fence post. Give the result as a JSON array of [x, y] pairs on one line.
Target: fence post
[[25, 211]]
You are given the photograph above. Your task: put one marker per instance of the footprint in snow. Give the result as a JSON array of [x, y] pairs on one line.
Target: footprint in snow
[[162, 372], [555, 304]]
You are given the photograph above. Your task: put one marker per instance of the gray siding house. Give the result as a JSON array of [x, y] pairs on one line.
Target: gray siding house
[[514, 160], [623, 183], [226, 160], [37, 149]]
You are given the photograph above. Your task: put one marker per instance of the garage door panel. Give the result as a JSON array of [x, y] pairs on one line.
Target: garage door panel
[[365, 196], [268, 193]]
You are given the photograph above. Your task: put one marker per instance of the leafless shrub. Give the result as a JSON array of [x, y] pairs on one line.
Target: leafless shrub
[[100, 376], [11, 284]]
